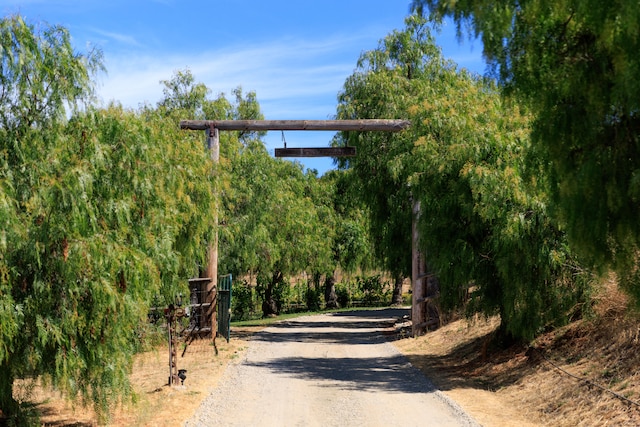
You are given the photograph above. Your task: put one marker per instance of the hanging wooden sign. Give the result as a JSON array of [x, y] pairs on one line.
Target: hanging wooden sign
[[316, 152]]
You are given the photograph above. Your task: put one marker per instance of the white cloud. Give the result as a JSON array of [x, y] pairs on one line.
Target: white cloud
[[118, 37], [289, 77]]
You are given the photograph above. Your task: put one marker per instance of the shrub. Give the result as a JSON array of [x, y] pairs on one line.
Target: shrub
[[313, 297], [242, 303], [344, 296], [374, 291]]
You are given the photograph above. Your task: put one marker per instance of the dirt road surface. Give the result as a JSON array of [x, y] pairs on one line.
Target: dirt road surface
[[332, 369]]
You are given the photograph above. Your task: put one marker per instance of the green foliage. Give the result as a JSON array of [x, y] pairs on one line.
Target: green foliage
[[97, 214], [264, 216], [182, 93], [575, 65], [40, 75], [112, 216], [243, 301], [313, 294], [373, 290], [275, 224], [365, 290], [282, 293], [480, 225], [275, 291], [351, 240], [383, 86], [344, 296]]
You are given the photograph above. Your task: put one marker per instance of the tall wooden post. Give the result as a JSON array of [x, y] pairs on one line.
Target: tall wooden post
[[418, 275], [213, 146]]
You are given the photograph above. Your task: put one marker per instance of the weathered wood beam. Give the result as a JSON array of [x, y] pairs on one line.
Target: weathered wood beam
[[316, 152], [326, 125]]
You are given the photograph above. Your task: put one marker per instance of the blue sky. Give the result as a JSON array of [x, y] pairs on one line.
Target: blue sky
[[294, 55]]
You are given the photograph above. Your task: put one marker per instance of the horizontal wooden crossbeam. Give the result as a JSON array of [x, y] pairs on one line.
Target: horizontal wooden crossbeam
[[326, 125]]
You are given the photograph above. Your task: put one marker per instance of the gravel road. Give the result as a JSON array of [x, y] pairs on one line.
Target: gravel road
[[325, 370]]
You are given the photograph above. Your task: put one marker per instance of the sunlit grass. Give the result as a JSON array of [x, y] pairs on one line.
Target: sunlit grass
[[271, 320]]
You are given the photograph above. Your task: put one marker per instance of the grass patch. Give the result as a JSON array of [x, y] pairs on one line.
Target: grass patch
[[271, 320]]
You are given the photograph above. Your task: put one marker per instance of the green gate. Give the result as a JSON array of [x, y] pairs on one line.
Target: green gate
[[224, 306]]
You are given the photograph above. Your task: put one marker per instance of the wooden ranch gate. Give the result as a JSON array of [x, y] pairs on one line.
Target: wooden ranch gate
[[212, 128]]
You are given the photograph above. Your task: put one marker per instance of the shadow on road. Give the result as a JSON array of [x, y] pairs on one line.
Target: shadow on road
[[391, 373], [346, 336], [352, 327]]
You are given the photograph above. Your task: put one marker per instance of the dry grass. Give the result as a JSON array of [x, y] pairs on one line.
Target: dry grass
[[524, 385], [157, 404]]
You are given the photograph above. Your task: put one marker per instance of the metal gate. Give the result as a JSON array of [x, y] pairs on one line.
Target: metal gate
[[224, 306], [199, 308]]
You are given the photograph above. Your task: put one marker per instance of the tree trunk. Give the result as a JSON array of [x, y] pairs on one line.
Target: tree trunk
[[396, 297], [8, 406], [313, 292], [269, 307], [503, 337], [330, 295]]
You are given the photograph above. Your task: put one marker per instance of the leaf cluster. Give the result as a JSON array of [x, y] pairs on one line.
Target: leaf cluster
[[483, 229], [575, 65], [40, 74], [275, 220], [98, 213], [111, 216]]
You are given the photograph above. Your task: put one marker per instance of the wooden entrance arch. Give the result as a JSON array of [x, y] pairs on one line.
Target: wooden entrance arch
[[212, 128]]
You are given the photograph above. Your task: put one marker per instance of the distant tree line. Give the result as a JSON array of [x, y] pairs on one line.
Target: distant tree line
[[305, 294]]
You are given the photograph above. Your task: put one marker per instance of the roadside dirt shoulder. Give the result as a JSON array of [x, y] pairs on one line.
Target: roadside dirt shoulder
[[156, 404], [449, 356], [566, 377]]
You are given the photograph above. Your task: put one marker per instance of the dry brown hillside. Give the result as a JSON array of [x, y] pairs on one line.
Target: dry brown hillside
[[567, 377]]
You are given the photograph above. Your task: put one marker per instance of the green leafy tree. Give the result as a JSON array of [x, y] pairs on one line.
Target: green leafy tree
[[272, 226], [379, 88], [320, 191], [351, 245], [270, 210], [481, 227], [41, 75], [185, 98], [182, 93], [575, 65], [114, 218], [98, 213]]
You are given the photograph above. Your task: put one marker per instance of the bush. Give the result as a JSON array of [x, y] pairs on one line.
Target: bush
[[242, 303], [282, 294], [344, 296], [374, 291], [313, 297]]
